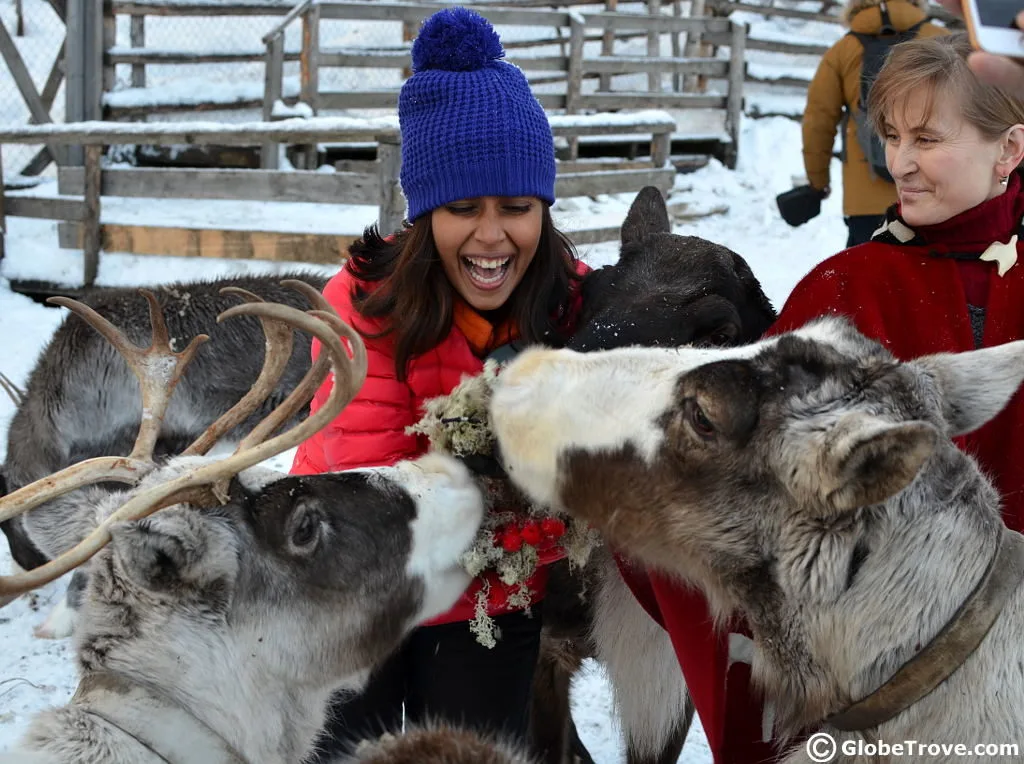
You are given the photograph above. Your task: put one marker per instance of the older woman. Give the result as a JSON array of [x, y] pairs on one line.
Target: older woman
[[941, 275]]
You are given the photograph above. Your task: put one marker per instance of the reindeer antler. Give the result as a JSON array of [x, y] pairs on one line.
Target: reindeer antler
[[200, 485]]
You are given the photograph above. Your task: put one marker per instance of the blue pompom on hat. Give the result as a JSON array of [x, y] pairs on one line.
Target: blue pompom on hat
[[470, 124]]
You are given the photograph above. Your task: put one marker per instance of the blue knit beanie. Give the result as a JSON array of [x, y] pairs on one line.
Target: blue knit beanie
[[470, 124]]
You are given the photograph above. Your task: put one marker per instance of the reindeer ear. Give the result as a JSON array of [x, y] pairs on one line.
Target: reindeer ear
[[171, 549], [977, 384], [648, 214], [865, 460]]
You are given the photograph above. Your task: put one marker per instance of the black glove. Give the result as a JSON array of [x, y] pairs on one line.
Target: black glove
[[800, 204]]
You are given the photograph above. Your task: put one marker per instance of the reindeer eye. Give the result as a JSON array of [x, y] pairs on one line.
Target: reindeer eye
[[305, 532], [698, 420], [724, 335]]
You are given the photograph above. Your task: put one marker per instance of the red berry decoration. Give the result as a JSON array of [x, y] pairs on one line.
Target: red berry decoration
[[511, 540], [553, 527], [531, 533]]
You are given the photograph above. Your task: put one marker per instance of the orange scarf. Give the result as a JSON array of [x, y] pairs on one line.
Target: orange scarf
[[482, 336]]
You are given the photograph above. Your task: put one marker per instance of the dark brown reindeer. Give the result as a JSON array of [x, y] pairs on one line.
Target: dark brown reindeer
[[665, 290], [226, 602], [809, 484]]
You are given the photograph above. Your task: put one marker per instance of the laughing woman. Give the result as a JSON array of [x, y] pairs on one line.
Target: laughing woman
[[478, 269]]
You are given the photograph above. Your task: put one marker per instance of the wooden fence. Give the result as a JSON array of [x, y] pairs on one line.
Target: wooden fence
[[573, 65], [82, 188]]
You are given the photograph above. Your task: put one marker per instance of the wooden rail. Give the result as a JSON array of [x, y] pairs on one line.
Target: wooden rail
[[80, 189], [92, 181]]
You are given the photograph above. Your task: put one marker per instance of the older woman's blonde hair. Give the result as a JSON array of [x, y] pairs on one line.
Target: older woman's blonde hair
[[853, 7], [939, 65]]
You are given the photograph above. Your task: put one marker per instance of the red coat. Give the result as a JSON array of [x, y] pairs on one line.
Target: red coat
[[914, 300], [370, 432]]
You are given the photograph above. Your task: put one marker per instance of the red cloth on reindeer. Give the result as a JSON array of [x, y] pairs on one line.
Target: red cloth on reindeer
[[370, 432], [914, 299]]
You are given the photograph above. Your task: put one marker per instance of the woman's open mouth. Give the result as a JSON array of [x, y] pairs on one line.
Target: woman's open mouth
[[486, 273]]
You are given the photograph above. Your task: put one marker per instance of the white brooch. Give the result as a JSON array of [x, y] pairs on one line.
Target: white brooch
[[1004, 255]]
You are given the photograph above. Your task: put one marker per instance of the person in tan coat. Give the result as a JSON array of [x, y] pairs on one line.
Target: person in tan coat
[[835, 91]]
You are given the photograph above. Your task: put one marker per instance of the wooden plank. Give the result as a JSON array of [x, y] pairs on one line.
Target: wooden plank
[[734, 101], [92, 241], [139, 56], [607, 45], [663, 24], [309, 63], [629, 65], [574, 82], [93, 65], [137, 37], [390, 201], [118, 112], [3, 216], [211, 133], [612, 101], [293, 13], [653, 46], [727, 6], [108, 39], [199, 242], [612, 182], [361, 11], [74, 92], [244, 185], [192, 8], [48, 208], [773, 46], [53, 80]]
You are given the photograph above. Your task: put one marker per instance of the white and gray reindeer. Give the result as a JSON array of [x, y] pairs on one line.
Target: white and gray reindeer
[[809, 484], [227, 601]]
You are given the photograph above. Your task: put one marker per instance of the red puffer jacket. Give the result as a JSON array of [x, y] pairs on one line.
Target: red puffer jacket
[[370, 432]]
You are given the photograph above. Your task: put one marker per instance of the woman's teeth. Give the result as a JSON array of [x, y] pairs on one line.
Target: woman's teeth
[[487, 271]]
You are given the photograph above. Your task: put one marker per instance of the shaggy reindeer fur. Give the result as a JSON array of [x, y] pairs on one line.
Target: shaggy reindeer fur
[[217, 636], [807, 483], [665, 290], [82, 400], [440, 744]]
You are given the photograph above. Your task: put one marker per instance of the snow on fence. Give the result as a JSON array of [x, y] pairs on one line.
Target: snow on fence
[[81, 188]]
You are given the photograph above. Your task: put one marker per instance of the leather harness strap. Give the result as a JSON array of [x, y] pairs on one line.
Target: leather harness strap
[[949, 649]]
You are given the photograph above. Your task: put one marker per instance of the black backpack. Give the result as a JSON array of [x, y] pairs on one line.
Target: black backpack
[[876, 47]]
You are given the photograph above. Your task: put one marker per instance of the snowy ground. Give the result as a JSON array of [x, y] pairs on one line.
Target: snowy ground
[[36, 673]]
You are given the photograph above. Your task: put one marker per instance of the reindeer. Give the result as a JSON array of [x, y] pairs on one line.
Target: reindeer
[[665, 290], [808, 484], [226, 601], [65, 416]]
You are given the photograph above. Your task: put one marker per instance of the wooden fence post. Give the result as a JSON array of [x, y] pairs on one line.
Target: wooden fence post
[[83, 58], [653, 47], [574, 81], [389, 195], [309, 74], [604, 81], [734, 101], [3, 217], [694, 83], [272, 93], [92, 239], [138, 41]]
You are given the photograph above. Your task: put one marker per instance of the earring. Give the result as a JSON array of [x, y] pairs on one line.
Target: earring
[[1004, 180]]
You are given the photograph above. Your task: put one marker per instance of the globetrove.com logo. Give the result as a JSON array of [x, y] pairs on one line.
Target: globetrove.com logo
[[822, 747]]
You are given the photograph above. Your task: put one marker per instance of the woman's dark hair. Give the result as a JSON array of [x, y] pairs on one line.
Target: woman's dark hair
[[412, 295]]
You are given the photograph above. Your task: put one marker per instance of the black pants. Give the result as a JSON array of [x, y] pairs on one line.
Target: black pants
[[443, 673], [861, 227]]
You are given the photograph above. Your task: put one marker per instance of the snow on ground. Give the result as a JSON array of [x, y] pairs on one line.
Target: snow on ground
[[37, 673]]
